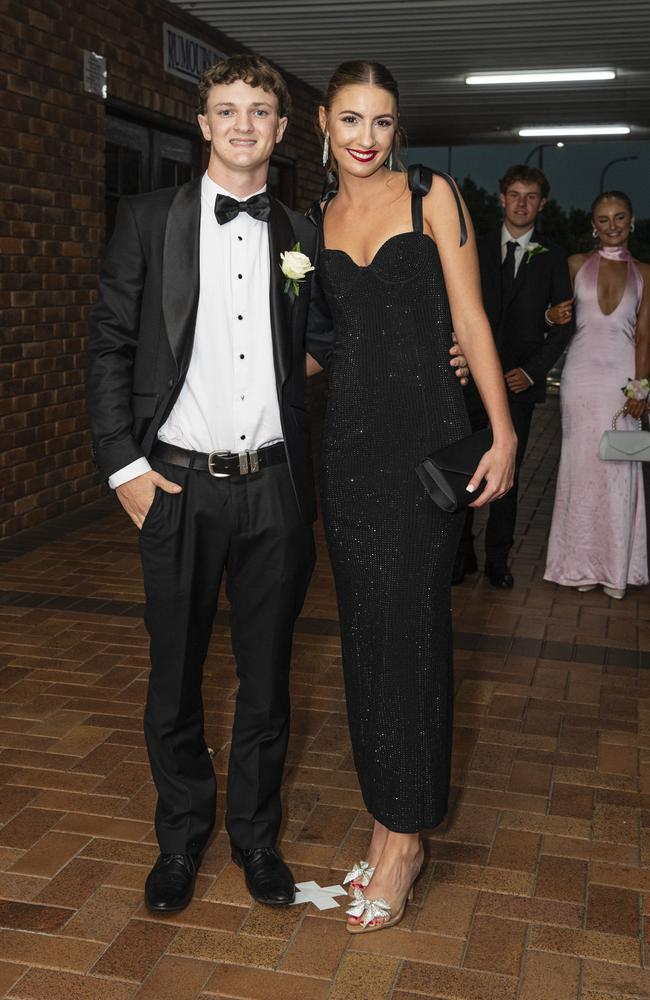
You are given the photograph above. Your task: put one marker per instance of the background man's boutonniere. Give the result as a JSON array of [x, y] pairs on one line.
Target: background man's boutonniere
[[295, 267], [533, 250]]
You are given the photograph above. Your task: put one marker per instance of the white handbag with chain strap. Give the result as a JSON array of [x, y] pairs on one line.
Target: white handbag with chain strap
[[624, 446]]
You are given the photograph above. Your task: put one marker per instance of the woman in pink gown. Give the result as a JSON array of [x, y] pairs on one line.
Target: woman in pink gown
[[598, 533]]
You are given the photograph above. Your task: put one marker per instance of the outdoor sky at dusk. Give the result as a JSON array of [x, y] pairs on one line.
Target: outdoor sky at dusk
[[573, 171]]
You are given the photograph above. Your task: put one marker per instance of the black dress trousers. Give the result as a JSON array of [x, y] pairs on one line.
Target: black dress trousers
[[250, 526], [500, 528], [502, 516]]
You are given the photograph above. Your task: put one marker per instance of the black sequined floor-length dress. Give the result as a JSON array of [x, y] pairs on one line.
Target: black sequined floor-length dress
[[393, 398]]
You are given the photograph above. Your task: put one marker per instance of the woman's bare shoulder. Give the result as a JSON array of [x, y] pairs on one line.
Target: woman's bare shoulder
[[443, 202], [644, 269], [576, 261], [442, 188]]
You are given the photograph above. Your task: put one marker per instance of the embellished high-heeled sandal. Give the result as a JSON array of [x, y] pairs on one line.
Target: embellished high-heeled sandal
[[359, 876], [368, 910]]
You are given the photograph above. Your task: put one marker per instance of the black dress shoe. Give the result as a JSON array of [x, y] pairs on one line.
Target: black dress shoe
[[267, 877], [170, 882], [499, 575], [465, 563]]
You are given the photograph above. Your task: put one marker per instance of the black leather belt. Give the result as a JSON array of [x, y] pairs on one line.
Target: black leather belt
[[220, 463]]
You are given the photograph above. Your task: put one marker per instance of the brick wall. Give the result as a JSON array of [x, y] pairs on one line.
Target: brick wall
[[52, 221]]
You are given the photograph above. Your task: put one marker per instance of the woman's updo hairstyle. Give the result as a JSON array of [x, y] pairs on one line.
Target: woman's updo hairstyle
[[619, 195], [364, 71]]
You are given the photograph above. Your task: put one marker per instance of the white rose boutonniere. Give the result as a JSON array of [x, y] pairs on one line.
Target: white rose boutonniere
[[295, 267], [533, 250]]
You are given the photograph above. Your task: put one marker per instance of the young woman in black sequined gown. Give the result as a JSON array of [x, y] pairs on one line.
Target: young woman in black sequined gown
[[396, 255]]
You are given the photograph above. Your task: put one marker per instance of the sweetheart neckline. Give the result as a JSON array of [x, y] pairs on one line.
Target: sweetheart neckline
[[364, 267]]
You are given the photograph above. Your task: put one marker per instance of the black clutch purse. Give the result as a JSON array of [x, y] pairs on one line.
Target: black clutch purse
[[446, 472]]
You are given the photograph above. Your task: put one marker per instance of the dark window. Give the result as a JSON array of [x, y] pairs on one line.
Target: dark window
[[173, 173], [140, 158], [281, 180], [123, 176], [123, 169]]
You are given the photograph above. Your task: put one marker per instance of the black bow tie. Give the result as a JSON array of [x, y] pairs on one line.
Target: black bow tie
[[226, 209]]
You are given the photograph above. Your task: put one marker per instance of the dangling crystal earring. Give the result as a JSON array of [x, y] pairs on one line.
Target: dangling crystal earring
[[632, 228], [390, 160], [326, 149]]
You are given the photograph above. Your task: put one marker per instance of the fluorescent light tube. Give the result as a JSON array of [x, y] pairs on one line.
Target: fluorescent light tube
[[573, 130], [549, 76]]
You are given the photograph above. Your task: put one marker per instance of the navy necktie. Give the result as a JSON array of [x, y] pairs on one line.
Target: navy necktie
[[226, 208], [508, 270]]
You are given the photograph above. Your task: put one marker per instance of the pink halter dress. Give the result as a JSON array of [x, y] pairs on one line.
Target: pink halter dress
[[598, 533]]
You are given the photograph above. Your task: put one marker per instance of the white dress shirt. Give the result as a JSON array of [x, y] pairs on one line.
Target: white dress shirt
[[521, 241], [229, 399], [521, 248]]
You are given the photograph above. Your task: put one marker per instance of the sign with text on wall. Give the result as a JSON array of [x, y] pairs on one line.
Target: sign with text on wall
[[186, 56], [95, 75]]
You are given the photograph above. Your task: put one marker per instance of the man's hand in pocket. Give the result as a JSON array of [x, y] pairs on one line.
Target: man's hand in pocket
[[137, 495]]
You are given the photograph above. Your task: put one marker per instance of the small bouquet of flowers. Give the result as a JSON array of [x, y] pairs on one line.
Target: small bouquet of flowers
[[637, 388]]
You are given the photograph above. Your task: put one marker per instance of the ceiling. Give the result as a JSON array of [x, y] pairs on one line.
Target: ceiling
[[430, 45]]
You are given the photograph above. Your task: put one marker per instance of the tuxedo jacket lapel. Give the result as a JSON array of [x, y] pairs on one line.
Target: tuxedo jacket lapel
[[489, 248], [180, 278], [281, 238], [523, 272], [519, 281], [494, 256]]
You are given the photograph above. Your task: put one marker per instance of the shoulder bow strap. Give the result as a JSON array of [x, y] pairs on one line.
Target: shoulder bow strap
[[316, 212], [420, 179]]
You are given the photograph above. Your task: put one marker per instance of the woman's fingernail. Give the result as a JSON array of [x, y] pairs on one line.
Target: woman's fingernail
[[470, 488]]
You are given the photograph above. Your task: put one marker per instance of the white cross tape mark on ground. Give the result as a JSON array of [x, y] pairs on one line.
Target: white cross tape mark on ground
[[321, 897]]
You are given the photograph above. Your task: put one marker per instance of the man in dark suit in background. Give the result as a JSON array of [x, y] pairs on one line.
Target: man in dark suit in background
[[522, 275]]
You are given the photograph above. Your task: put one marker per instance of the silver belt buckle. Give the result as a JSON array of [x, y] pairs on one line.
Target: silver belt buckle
[[211, 457], [248, 462]]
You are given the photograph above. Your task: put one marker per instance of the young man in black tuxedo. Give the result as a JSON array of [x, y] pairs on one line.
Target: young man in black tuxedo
[[196, 397], [522, 275]]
